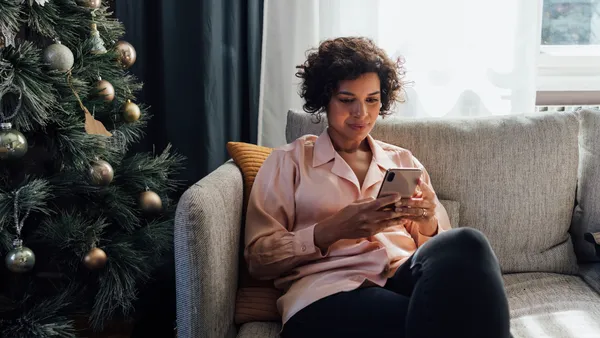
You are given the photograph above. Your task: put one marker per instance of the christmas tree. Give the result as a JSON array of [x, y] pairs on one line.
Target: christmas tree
[[84, 219]]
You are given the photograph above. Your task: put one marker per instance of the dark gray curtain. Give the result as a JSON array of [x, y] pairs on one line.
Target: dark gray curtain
[[200, 64]]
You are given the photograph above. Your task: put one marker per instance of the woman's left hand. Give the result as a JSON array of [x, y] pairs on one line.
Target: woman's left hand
[[420, 209]]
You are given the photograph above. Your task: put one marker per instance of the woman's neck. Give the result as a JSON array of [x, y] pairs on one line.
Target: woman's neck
[[343, 145]]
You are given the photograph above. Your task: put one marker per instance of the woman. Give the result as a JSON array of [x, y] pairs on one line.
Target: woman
[[347, 267]]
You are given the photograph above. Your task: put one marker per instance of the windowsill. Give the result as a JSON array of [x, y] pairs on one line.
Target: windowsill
[[569, 68], [567, 98], [569, 83]]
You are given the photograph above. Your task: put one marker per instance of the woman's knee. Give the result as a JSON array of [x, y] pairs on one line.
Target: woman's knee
[[467, 243]]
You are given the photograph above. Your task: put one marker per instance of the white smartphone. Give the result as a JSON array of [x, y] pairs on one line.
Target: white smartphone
[[400, 180]]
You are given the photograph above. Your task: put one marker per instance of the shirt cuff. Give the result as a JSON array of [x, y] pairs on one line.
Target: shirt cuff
[[304, 242], [422, 238]]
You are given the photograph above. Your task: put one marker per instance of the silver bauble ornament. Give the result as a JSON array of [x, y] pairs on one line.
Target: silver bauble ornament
[[58, 57], [20, 258], [101, 173], [13, 143]]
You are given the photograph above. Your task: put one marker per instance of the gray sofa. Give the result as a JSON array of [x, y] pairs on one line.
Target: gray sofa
[[531, 183]]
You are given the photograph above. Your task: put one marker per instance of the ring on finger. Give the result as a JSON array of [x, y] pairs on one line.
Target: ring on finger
[[423, 213]]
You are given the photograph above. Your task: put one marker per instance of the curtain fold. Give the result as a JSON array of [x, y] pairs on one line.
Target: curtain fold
[[463, 58], [200, 63]]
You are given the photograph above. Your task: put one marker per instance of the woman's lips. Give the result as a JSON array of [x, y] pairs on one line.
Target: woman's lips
[[357, 126]]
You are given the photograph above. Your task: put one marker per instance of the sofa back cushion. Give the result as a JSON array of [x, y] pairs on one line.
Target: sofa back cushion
[[513, 176], [586, 217]]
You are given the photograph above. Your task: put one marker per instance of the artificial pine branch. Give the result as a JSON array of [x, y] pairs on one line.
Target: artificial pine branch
[[10, 12], [155, 172], [119, 280], [120, 206], [43, 319], [155, 239], [42, 19], [38, 97], [71, 235]]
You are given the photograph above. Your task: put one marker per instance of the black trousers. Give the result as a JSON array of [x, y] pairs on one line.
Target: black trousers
[[450, 287]]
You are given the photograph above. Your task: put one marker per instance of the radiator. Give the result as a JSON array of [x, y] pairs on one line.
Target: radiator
[[565, 108]]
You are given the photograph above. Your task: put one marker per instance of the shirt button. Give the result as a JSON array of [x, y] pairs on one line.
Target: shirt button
[[303, 248]]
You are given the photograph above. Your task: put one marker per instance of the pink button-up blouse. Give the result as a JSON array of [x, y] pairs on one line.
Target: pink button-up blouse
[[303, 183]]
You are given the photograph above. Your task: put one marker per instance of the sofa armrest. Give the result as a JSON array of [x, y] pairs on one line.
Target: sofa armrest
[[206, 235], [590, 272]]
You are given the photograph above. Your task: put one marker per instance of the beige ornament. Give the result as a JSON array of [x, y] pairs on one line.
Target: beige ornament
[[131, 111], [150, 202], [95, 259], [127, 54]]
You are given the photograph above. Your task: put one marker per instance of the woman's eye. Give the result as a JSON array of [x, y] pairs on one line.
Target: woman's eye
[[370, 100]]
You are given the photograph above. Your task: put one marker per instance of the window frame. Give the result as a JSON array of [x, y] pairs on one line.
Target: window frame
[[568, 68]]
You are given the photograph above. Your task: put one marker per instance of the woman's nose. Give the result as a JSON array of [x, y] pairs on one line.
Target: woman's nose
[[359, 109]]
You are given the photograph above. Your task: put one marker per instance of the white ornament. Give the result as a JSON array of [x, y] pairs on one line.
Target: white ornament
[[39, 2]]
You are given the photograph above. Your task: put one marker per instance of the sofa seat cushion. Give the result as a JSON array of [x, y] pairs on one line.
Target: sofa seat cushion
[[260, 330], [590, 272], [552, 305], [541, 305]]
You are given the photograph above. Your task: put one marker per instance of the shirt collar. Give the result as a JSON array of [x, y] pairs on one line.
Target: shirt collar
[[324, 152]]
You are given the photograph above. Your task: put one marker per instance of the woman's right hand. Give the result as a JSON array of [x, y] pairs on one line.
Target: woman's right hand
[[360, 219]]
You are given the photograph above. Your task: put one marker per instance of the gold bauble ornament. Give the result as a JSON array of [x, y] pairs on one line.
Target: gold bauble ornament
[[13, 143], [58, 57], [95, 259], [101, 173], [105, 90], [150, 202], [127, 53], [131, 111], [94, 4], [20, 258]]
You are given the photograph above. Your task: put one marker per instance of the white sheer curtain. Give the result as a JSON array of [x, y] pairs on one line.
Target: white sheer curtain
[[464, 57]]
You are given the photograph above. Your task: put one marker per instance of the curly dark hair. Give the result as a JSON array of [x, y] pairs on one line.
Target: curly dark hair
[[347, 58]]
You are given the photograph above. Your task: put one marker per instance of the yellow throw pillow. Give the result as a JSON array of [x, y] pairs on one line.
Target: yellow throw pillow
[[256, 300], [256, 304], [249, 158]]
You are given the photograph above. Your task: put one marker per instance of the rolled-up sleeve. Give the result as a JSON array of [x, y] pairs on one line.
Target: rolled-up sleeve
[[271, 248]]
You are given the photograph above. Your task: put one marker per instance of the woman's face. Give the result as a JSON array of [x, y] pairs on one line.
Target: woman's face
[[354, 107]]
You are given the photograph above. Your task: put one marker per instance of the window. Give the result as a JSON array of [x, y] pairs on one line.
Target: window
[[570, 46]]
